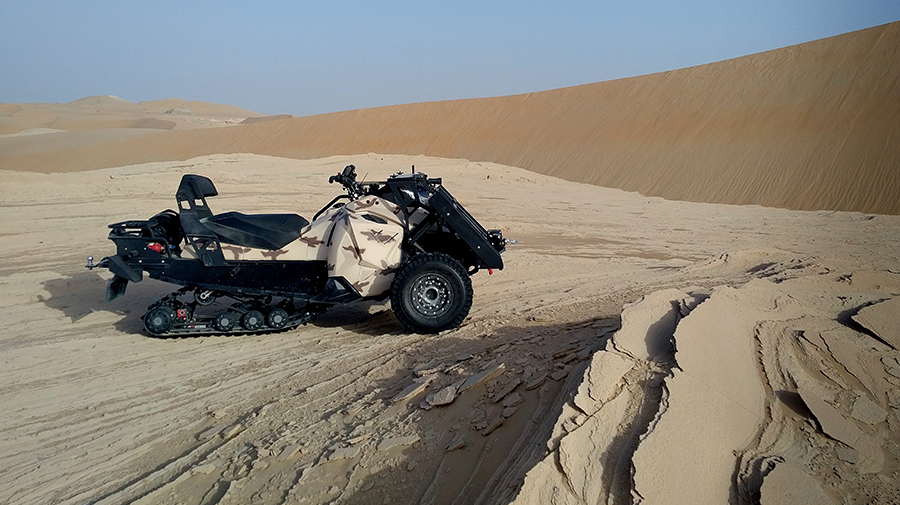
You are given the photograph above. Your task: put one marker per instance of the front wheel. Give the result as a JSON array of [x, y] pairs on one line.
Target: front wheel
[[431, 293]]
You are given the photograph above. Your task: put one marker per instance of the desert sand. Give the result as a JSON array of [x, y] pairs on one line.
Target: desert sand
[[738, 356], [696, 349], [112, 112], [43, 129]]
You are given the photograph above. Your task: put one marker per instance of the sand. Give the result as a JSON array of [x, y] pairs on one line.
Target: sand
[[758, 376], [704, 348], [808, 127], [39, 130], [107, 111]]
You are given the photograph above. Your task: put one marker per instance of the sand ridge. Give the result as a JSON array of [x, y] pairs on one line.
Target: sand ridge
[[767, 399]]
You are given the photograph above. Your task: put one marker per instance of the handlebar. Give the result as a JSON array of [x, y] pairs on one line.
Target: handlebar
[[356, 189], [347, 178]]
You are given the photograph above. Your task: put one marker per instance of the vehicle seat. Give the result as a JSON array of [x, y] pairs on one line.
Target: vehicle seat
[[259, 231]]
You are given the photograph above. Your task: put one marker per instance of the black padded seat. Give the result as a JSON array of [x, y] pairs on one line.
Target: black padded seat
[[259, 231]]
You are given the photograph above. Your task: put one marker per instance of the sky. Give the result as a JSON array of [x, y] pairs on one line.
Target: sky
[[303, 57]]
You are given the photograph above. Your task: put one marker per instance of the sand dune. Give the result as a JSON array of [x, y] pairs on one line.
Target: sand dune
[[260, 119], [107, 111], [105, 102], [812, 126], [70, 124]]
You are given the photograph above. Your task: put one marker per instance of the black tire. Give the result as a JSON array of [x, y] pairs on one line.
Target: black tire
[[252, 320], [159, 320], [431, 293], [225, 321], [277, 318]]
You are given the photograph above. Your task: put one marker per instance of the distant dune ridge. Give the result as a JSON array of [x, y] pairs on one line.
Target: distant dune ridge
[[812, 126], [109, 112]]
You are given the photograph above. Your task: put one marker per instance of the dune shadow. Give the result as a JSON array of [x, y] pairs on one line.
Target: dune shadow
[[760, 268], [795, 403], [846, 318], [660, 338]]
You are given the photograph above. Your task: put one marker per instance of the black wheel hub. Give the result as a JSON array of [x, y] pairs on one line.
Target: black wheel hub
[[277, 318], [431, 295], [252, 320], [159, 320], [225, 321]]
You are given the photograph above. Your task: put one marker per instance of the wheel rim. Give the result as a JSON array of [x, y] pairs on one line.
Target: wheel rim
[[224, 322], [159, 320], [204, 297], [431, 295], [277, 318], [252, 320]]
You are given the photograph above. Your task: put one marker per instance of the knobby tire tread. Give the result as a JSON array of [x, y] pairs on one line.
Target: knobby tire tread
[[411, 265]]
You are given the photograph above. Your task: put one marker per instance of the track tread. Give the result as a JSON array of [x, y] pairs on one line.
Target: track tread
[[202, 325]]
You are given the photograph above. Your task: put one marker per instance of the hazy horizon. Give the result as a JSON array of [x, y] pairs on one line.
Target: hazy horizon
[[303, 59]]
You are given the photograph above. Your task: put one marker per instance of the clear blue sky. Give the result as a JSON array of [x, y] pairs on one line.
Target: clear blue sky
[[301, 58]]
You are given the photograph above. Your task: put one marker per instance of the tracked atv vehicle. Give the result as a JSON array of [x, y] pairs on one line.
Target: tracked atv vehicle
[[405, 238]]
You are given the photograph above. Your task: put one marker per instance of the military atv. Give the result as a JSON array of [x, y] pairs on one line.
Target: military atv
[[405, 238]]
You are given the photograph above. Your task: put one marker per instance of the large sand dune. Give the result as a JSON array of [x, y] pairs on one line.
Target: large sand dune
[[812, 126]]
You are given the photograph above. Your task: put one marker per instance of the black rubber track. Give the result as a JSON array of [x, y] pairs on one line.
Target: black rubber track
[[161, 319], [452, 280], [205, 326]]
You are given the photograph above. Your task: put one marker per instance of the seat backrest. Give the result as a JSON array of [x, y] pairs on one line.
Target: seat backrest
[[192, 207], [192, 193]]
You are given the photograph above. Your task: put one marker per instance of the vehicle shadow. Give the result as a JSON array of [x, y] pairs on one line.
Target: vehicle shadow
[[78, 295], [75, 295], [483, 468], [365, 318]]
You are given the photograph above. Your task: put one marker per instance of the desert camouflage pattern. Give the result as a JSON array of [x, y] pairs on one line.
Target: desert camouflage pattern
[[360, 242]]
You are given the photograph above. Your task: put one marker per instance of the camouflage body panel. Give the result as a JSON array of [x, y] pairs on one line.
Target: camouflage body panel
[[363, 245], [361, 241]]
